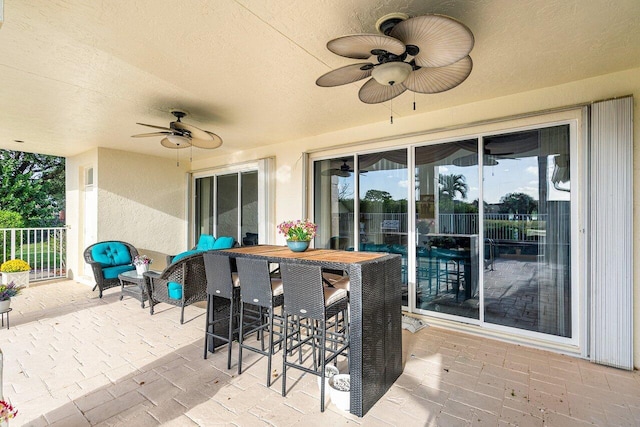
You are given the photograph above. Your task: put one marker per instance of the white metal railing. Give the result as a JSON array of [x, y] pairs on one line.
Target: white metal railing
[[44, 249], [520, 227]]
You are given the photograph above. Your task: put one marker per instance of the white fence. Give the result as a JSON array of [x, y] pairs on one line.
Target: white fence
[[497, 226], [44, 249]]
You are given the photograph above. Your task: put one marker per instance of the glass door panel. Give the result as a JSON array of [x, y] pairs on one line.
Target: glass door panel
[[333, 203], [446, 212], [527, 230], [249, 213], [204, 206], [227, 205], [383, 179]]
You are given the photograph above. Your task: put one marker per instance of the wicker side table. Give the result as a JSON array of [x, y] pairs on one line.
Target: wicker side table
[[133, 285]]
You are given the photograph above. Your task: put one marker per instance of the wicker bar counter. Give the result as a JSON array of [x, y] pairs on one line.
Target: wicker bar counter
[[376, 318]]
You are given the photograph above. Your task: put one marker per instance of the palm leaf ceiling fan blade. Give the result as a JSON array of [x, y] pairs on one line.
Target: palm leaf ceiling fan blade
[[155, 127], [183, 135], [214, 142], [194, 132], [373, 92], [144, 135], [442, 40], [359, 46], [439, 79], [347, 74]]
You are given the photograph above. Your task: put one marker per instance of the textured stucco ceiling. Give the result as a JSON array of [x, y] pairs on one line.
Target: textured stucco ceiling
[[80, 74]]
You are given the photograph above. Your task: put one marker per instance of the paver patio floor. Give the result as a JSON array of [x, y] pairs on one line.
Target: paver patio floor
[[71, 359]]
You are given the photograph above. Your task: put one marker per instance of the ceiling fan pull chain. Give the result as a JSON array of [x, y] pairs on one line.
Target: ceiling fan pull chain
[[414, 101], [177, 158], [391, 102]]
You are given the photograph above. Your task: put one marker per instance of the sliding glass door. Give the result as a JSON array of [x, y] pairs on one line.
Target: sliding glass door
[[527, 227], [227, 205], [483, 225], [447, 224], [383, 190]]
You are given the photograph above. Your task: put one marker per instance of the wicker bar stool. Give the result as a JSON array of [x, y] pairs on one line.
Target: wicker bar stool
[[305, 297], [221, 283], [260, 290]]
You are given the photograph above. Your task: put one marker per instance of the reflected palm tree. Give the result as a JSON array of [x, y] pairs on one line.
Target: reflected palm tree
[[453, 184]]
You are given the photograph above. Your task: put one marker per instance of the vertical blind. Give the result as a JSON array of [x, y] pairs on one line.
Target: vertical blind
[[611, 232]]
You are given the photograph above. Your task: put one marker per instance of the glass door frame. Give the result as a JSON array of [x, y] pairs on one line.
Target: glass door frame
[[576, 119], [265, 198]]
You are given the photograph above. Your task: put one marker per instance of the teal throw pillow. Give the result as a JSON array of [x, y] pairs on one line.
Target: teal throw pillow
[[206, 242], [224, 242]]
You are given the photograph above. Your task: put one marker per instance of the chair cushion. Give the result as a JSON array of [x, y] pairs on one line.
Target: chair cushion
[[224, 242], [206, 242], [184, 255], [235, 279], [337, 281], [112, 272], [276, 287], [333, 295], [175, 290], [109, 254]]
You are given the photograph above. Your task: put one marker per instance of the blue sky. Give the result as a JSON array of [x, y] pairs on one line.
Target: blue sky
[[508, 176]]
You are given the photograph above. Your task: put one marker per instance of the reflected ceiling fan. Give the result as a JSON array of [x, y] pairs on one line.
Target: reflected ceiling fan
[[344, 171], [424, 54], [182, 135]]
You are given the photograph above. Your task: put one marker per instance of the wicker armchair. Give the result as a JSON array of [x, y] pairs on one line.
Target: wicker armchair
[[182, 283], [107, 260]]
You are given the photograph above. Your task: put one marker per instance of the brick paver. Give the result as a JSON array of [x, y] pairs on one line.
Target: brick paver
[[72, 359]]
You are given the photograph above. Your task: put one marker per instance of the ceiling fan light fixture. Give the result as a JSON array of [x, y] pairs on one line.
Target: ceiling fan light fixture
[[178, 140], [391, 73]]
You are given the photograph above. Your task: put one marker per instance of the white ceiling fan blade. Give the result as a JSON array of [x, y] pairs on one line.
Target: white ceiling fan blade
[[154, 126], [144, 135], [439, 79], [442, 40], [373, 92], [359, 46], [343, 75], [209, 144]]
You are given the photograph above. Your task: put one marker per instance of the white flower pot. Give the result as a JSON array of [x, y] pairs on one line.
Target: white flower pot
[[5, 305], [329, 372], [20, 278], [340, 386], [142, 268]]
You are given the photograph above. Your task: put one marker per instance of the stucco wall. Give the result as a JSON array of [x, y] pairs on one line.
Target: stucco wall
[[74, 181], [288, 194], [141, 200]]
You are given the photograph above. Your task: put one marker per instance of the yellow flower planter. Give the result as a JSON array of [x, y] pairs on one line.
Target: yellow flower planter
[[20, 278]]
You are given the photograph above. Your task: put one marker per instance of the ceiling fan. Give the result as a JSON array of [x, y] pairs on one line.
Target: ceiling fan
[[424, 54], [344, 171], [182, 135]]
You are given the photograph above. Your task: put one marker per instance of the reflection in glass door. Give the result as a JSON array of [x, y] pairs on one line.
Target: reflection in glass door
[[333, 203], [447, 228], [228, 205], [527, 228], [383, 195]]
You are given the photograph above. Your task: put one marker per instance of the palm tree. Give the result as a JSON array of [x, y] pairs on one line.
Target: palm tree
[[452, 184]]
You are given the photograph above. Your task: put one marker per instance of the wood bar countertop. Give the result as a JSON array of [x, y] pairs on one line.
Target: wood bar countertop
[[322, 255]]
